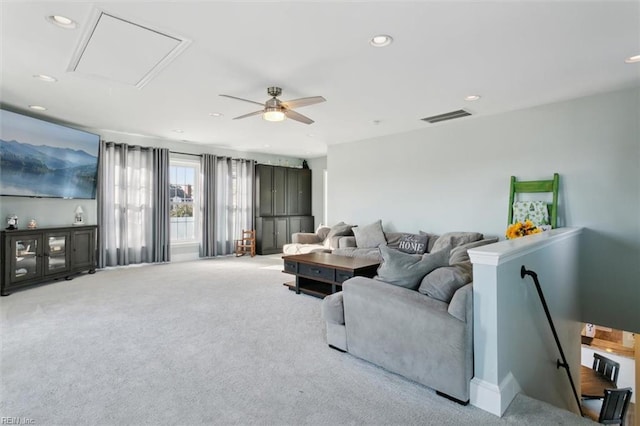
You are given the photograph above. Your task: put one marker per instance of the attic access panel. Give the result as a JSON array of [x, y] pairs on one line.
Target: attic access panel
[[119, 50]]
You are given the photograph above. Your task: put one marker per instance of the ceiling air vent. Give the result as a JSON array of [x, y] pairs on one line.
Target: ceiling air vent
[[447, 116]]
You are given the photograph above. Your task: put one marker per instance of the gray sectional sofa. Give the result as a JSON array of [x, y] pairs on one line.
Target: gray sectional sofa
[[406, 332], [414, 323]]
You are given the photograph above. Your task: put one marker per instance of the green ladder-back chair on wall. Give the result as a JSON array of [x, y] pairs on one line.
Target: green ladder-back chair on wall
[[533, 186]]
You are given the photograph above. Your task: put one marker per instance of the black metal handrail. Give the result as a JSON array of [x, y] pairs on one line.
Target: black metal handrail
[[563, 363]]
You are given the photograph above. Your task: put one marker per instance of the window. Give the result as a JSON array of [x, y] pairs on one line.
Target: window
[[184, 200]]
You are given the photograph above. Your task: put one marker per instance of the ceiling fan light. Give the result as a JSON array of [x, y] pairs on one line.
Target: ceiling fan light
[[273, 114]]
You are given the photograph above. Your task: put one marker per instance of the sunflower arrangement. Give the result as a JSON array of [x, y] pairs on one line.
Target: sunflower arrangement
[[520, 229]]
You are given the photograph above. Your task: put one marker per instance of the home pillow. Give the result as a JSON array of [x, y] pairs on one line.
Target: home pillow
[[455, 239], [369, 236], [413, 243], [406, 270], [442, 283]]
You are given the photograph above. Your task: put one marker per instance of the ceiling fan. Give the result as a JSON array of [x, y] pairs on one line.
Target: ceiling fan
[[276, 110]]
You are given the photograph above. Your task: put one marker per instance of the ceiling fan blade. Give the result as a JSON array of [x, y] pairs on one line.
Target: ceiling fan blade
[[297, 116], [297, 103], [245, 100], [249, 115]]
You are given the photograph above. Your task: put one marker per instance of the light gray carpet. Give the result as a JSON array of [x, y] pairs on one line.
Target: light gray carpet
[[217, 341]]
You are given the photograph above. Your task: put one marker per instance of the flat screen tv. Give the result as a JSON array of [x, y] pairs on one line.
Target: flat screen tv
[[43, 159]]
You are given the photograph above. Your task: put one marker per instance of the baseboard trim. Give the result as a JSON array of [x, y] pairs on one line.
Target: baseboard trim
[[492, 398]]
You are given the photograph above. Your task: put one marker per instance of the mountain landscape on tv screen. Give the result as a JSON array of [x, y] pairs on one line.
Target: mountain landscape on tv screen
[[46, 171]]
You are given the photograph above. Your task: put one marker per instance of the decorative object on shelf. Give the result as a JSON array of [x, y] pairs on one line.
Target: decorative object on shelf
[[79, 216], [590, 330], [32, 224], [520, 229], [304, 164], [12, 222], [535, 211], [542, 214]]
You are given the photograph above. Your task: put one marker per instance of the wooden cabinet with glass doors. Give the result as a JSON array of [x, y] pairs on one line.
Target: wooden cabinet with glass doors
[[32, 256]]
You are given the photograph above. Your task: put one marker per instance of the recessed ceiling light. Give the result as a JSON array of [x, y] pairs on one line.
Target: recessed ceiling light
[[632, 59], [381, 40], [311, 135], [266, 145], [216, 114], [178, 130], [62, 21], [472, 98], [46, 78], [37, 107]]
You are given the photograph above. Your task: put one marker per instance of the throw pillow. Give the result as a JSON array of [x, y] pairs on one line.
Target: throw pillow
[[455, 239], [369, 236], [340, 229], [460, 254], [432, 240], [442, 283], [406, 270], [337, 230], [393, 238], [535, 211], [413, 243], [322, 232]]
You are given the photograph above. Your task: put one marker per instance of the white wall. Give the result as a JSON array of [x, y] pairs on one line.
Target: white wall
[[455, 176], [514, 348]]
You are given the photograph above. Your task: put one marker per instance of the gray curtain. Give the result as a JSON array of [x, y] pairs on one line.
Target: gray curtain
[[207, 204], [161, 206], [227, 203], [133, 205]]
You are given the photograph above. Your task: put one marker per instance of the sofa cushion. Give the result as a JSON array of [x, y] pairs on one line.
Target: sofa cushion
[[305, 238], [369, 236], [413, 243], [442, 283], [370, 253], [455, 239], [406, 270]]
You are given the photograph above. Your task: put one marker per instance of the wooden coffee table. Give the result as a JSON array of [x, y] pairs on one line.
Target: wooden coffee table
[[320, 274]]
